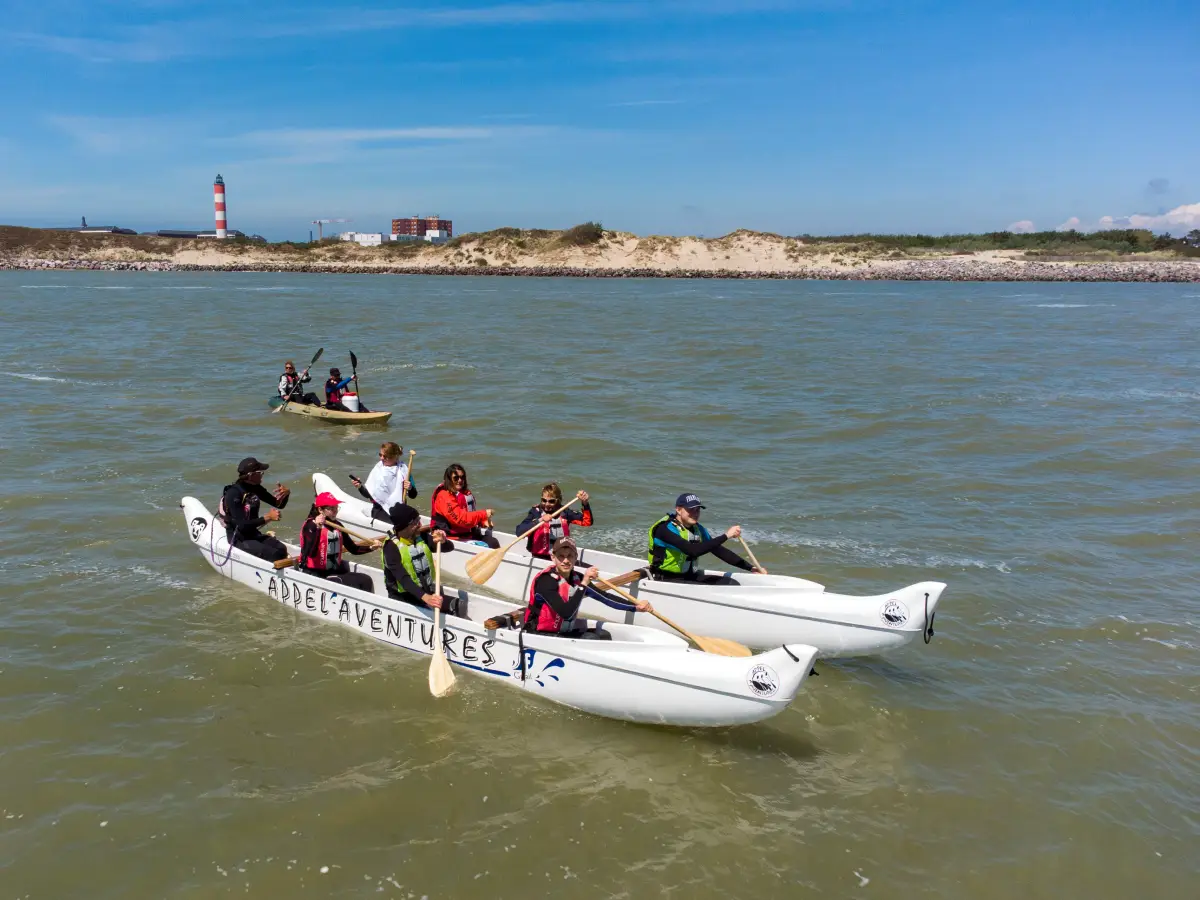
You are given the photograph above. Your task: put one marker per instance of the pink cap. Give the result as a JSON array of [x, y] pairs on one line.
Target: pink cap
[[327, 499]]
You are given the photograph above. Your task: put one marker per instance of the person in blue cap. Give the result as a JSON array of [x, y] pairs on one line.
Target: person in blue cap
[[678, 539]]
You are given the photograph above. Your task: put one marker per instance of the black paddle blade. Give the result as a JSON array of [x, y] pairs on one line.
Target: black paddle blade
[[353, 360], [317, 356]]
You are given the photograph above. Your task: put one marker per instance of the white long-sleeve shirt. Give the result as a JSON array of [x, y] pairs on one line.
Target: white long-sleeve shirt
[[385, 484]]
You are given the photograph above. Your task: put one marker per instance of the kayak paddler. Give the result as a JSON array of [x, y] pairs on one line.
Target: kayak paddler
[[335, 390], [550, 530], [321, 546], [678, 539], [239, 511], [558, 591], [388, 483], [290, 385], [408, 560]]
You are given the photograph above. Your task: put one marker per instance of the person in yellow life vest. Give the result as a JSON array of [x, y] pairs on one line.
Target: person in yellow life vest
[[408, 557], [678, 539], [321, 546]]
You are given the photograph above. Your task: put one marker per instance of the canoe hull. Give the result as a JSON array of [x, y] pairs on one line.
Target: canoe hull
[[335, 416], [759, 611], [639, 676]]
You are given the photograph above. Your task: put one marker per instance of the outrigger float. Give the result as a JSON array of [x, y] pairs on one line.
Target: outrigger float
[[756, 610], [641, 675]]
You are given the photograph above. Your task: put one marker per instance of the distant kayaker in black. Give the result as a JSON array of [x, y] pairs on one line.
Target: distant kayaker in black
[[239, 511], [335, 390], [678, 539], [290, 385]]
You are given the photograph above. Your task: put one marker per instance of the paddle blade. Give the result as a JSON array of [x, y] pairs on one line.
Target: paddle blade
[[316, 356], [721, 646], [441, 676], [353, 360], [483, 566]]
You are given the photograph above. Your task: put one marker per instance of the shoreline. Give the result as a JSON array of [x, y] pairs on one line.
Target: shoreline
[[946, 269]]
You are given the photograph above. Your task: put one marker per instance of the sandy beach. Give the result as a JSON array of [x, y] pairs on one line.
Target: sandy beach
[[742, 254]]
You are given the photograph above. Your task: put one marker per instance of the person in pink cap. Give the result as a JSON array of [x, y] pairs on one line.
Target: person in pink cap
[[321, 546]]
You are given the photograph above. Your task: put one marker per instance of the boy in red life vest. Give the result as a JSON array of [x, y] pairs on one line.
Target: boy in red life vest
[[539, 543], [453, 509], [335, 390], [321, 547], [557, 592]]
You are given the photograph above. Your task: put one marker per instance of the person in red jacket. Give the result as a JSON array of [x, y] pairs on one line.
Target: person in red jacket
[[453, 509], [550, 530]]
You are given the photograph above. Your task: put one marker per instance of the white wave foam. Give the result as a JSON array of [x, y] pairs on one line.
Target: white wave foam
[[45, 287], [30, 377], [109, 287], [159, 578], [1062, 305]]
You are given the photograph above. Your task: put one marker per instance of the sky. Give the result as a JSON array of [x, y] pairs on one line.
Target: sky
[[650, 116]]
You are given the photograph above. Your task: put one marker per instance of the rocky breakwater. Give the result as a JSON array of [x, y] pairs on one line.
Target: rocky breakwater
[[946, 269]]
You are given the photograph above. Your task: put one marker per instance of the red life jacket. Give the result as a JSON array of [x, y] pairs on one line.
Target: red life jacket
[[328, 553], [543, 539], [543, 617]]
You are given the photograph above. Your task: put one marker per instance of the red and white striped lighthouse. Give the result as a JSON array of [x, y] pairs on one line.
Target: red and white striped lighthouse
[[219, 205]]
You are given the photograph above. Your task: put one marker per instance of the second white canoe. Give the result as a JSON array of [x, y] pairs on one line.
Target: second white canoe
[[756, 610]]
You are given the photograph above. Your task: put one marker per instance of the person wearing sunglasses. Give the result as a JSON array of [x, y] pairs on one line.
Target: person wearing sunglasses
[[290, 386], [388, 483], [678, 539], [550, 529], [453, 509]]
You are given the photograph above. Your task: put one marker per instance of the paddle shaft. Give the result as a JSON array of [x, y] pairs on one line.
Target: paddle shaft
[[522, 537], [749, 552], [300, 380], [720, 646]]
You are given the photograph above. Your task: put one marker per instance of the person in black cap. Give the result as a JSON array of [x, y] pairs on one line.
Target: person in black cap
[[335, 390], [408, 561], [678, 539], [239, 511]]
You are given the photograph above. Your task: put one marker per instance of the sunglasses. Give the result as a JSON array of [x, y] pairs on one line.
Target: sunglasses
[[458, 477]]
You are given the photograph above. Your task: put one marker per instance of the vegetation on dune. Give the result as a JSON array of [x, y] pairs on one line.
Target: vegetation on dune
[[1120, 242]]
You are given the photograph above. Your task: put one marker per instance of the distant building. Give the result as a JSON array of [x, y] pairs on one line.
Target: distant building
[[188, 233], [84, 228], [421, 226], [364, 239]]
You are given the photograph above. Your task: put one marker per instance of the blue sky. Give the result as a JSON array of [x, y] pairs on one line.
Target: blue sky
[[670, 117]]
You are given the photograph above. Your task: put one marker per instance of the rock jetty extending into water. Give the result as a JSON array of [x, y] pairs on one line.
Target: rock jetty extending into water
[[949, 269]]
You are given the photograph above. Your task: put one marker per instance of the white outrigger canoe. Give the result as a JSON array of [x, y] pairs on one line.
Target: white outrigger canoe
[[756, 610], [641, 675]]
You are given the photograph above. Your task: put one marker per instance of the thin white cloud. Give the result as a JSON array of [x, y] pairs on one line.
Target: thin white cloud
[[646, 103], [1179, 220], [1022, 227], [1072, 224]]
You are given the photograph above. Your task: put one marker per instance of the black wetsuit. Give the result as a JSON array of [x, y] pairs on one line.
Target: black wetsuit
[[243, 524]]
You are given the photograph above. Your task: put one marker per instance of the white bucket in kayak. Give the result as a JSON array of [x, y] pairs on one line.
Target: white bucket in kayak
[[350, 401]]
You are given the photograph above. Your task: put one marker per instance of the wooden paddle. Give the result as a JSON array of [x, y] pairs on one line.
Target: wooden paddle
[[750, 553], [628, 578], [299, 381], [292, 560], [441, 676], [483, 566], [718, 646]]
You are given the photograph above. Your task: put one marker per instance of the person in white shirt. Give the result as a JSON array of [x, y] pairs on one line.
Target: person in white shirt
[[388, 483]]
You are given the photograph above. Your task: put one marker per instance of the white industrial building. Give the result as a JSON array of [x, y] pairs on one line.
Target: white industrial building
[[364, 239]]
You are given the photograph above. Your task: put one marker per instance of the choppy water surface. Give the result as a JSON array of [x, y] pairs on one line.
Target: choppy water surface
[[165, 733]]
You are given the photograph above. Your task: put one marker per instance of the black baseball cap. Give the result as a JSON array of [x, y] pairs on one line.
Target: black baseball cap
[[402, 515], [250, 464], [689, 501]]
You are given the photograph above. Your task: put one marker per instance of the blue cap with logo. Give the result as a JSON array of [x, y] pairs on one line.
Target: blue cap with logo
[[689, 501]]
